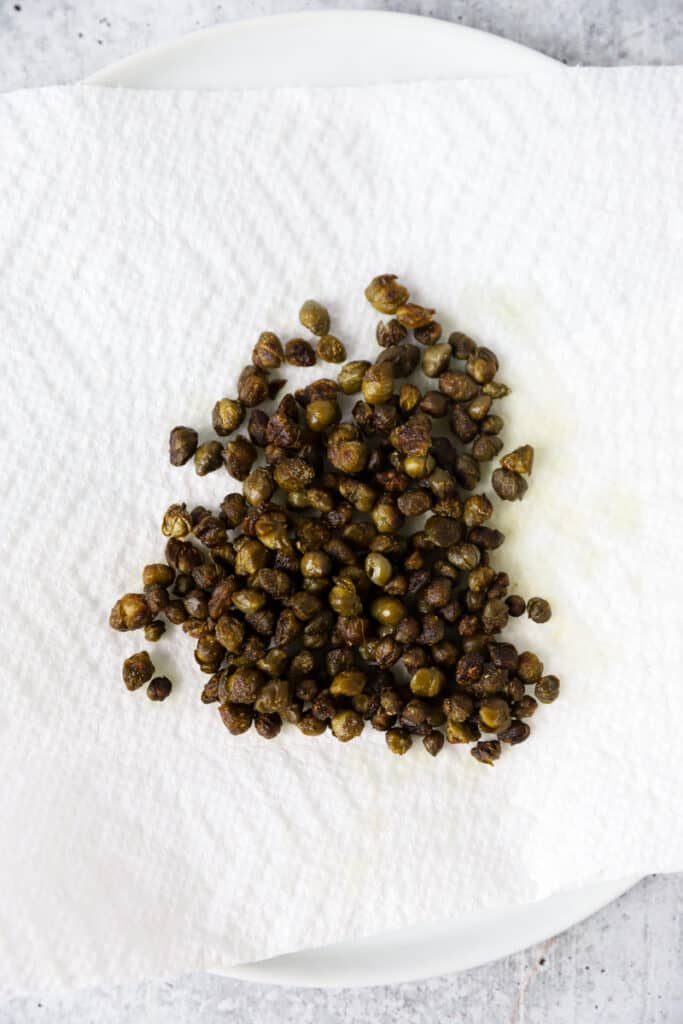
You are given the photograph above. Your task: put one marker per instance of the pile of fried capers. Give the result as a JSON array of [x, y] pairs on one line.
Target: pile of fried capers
[[350, 579]]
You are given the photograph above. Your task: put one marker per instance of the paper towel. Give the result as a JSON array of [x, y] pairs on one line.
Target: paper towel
[[146, 240]]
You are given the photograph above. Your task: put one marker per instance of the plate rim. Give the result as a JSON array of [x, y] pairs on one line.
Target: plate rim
[[281, 970], [110, 74]]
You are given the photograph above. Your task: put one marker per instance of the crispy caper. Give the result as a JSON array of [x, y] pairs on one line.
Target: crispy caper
[[482, 365], [299, 352], [462, 345], [208, 457], [322, 414], [315, 564], [159, 688], [529, 668], [346, 725], [386, 515], [388, 610], [343, 598], [227, 415], [182, 445], [259, 486], [315, 317], [378, 568], [399, 741], [330, 349], [547, 689], [486, 751], [378, 383], [435, 359], [386, 293], [538, 609], [351, 375], [268, 353], [348, 683], [137, 670], [508, 485], [427, 682], [494, 714]]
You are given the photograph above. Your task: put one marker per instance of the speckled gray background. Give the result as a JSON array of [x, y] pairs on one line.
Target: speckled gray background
[[625, 964]]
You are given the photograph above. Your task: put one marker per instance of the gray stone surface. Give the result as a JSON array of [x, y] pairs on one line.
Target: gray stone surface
[[50, 41], [625, 964]]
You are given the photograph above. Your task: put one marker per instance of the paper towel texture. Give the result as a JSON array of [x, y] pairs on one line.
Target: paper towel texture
[[145, 240]]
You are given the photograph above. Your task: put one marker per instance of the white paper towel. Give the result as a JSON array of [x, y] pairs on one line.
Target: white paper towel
[[146, 239]]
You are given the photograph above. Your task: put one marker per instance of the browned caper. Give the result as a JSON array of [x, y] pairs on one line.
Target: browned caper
[[427, 682], [399, 741], [315, 317], [330, 349], [227, 415], [386, 293], [346, 725], [322, 414]]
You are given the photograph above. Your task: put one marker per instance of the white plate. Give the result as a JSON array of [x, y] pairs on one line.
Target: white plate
[[354, 48], [322, 48]]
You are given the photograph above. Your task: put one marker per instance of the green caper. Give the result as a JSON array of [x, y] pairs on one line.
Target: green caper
[[386, 293], [508, 485], [351, 375], [516, 732], [322, 414], [482, 365], [486, 447], [521, 460], [259, 486], [343, 598], [330, 349], [433, 742], [348, 683], [227, 415], [346, 725], [477, 509], [491, 425], [248, 600], [388, 610], [538, 609], [182, 445], [378, 383], [268, 353], [315, 317], [427, 682], [525, 707], [547, 689], [398, 741], [137, 670], [479, 407], [409, 398], [486, 752], [494, 714], [237, 718], [378, 569], [428, 334], [309, 725], [462, 732], [208, 458], [348, 456], [419, 466], [462, 345], [386, 516], [315, 564], [411, 315], [435, 359], [177, 521], [529, 668]]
